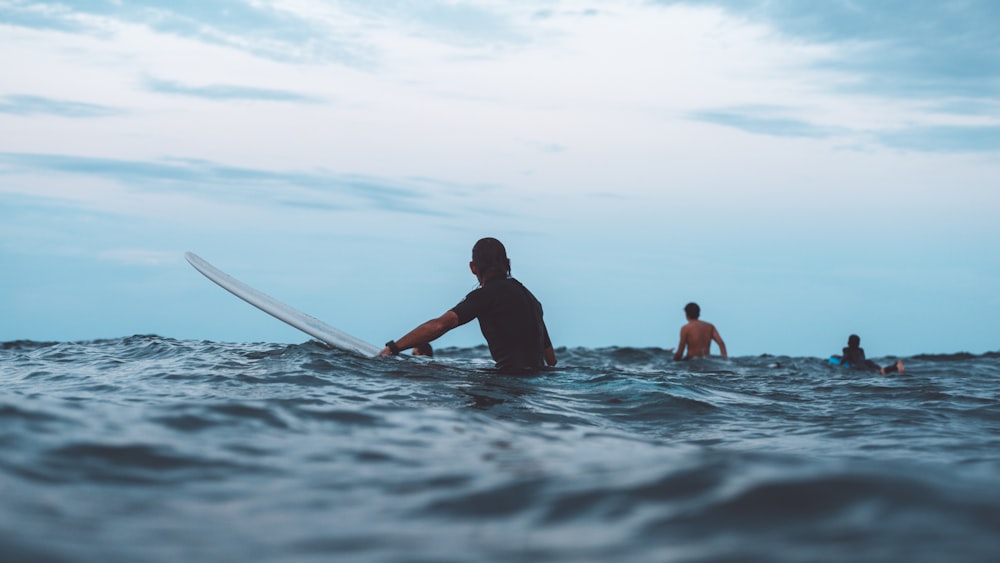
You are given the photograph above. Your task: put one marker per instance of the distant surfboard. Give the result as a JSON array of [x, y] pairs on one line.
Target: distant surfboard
[[307, 324]]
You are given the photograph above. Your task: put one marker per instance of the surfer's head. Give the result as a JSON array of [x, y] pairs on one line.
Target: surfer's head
[[853, 341], [489, 259], [692, 310]]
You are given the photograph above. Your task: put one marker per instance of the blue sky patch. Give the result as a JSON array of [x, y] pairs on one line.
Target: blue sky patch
[[945, 139]]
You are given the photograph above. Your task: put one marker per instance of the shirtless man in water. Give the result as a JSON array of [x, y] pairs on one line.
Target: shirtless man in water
[[697, 336]]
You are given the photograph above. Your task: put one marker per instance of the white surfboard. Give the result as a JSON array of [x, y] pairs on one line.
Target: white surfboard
[[307, 324]]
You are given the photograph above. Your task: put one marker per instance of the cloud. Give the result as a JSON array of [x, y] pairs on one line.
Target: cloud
[[932, 139], [324, 190], [935, 59], [24, 105], [898, 48], [260, 28], [465, 24], [313, 33], [51, 15], [763, 121], [224, 92], [282, 31]]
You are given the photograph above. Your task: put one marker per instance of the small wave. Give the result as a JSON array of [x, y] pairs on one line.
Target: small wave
[[956, 357], [126, 464]]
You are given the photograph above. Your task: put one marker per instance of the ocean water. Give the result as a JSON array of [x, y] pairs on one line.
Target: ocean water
[[153, 449]]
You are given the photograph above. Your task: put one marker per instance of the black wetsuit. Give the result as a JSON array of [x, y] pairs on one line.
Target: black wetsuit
[[855, 358], [511, 320]]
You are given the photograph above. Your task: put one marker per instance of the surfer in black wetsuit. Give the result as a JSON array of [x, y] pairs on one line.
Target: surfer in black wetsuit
[[509, 315], [854, 357]]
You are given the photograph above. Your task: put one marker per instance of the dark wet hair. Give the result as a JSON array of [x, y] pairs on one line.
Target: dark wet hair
[[853, 341], [490, 258], [424, 349], [692, 310]]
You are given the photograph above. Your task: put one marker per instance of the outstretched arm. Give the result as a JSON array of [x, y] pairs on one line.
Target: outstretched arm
[[718, 340], [428, 331]]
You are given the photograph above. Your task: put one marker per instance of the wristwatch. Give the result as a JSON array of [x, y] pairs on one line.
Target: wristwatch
[[391, 345]]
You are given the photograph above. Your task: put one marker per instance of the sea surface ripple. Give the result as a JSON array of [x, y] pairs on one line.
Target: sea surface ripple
[[153, 449]]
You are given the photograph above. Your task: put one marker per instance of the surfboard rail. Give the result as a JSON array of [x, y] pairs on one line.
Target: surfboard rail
[[281, 311]]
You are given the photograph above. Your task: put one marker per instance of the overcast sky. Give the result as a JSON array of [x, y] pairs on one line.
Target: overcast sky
[[803, 170]]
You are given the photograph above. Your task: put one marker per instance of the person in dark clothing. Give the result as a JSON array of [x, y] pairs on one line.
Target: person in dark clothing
[[854, 357], [510, 317]]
